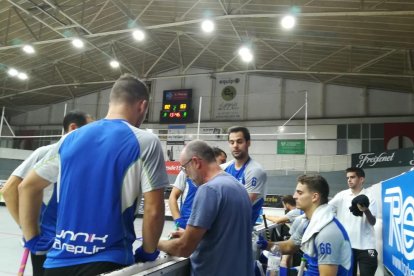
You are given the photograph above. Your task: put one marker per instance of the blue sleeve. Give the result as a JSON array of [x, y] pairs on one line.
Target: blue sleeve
[[205, 207]]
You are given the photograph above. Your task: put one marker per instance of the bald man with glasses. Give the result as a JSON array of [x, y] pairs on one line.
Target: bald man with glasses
[[210, 237], [182, 195]]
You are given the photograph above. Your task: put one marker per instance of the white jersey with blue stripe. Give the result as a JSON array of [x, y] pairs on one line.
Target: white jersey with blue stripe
[[101, 170], [47, 218]]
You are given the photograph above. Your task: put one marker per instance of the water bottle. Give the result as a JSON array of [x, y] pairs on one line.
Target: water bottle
[[273, 261], [255, 249]]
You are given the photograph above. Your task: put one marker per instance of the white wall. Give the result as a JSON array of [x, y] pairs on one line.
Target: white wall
[[264, 104]]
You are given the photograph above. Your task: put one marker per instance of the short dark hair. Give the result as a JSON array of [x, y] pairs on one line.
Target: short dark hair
[[218, 151], [246, 133], [316, 183], [288, 199], [128, 89], [200, 149], [77, 117], [358, 171]]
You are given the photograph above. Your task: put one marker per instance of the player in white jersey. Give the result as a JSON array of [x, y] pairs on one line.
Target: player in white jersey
[[71, 121], [360, 228], [246, 170]]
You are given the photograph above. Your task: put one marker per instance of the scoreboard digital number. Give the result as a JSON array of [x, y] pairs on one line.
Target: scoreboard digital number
[[176, 106]]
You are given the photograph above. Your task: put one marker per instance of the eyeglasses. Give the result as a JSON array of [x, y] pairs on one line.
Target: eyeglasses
[[182, 167]]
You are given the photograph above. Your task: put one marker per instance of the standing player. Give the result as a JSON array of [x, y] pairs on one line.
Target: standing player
[[71, 121], [360, 228], [184, 190], [246, 170], [102, 171]]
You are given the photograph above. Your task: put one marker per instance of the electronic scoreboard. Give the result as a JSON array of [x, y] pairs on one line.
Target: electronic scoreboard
[[176, 106]]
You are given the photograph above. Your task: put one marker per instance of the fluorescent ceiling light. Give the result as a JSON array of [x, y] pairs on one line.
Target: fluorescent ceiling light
[[288, 22], [138, 35], [12, 72], [246, 54], [28, 49], [207, 26], [114, 63], [22, 76], [78, 43]]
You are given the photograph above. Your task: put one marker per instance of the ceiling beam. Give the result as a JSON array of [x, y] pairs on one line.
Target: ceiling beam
[[188, 10], [327, 57], [63, 80], [231, 23], [97, 14], [67, 16], [199, 54], [143, 11], [210, 51], [160, 57], [25, 24]]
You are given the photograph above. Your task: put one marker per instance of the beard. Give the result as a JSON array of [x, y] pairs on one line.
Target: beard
[[239, 155]]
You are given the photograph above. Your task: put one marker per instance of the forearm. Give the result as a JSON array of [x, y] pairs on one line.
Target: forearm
[[175, 212], [370, 218], [153, 221], [11, 196], [287, 247], [29, 209], [276, 219], [174, 247]]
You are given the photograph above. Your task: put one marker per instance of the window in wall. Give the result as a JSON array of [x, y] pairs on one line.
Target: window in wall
[[365, 145], [377, 145], [341, 146], [365, 131], [377, 131], [354, 131], [341, 132]]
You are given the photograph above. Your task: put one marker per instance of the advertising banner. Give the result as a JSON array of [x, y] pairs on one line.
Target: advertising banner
[[229, 100], [398, 224], [291, 146], [390, 158]]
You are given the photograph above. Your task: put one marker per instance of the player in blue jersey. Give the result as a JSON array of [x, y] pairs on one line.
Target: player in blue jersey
[[322, 238], [102, 170], [246, 170], [184, 191], [218, 234], [71, 121]]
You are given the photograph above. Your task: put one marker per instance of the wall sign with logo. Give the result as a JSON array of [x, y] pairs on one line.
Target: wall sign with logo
[[390, 158], [398, 224], [229, 100], [291, 146]]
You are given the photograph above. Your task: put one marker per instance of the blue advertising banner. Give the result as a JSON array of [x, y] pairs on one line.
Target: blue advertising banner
[[398, 224]]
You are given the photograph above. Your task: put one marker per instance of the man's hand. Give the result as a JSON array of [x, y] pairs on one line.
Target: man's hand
[[39, 245], [141, 256], [362, 208]]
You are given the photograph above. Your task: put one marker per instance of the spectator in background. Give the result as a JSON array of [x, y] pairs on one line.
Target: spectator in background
[[47, 221], [184, 191], [103, 169], [360, 228], [292, 212], [246, 170], [218, 234]]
